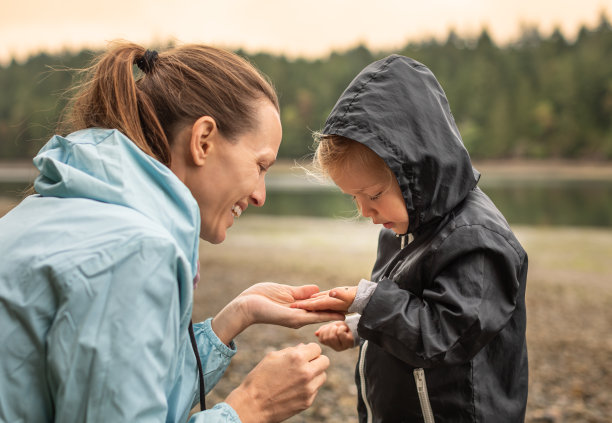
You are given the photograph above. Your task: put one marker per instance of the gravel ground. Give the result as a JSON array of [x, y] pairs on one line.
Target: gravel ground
[[569, 299]]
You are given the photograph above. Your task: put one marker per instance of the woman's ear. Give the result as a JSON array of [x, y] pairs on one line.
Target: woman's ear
[[204, 133]]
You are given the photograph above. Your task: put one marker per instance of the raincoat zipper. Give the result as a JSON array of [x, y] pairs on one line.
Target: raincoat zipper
[[419, 378], [405, 239], [363, 382]]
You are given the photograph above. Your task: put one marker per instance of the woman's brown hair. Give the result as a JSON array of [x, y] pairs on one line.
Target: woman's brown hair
[[180, 85]]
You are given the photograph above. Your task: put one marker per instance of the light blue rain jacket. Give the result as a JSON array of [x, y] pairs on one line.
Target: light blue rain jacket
[[96, 291]]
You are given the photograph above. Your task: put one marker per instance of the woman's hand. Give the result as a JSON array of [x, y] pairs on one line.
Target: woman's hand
[[284, 383], [268, 302], [336, 335], [337, 299]]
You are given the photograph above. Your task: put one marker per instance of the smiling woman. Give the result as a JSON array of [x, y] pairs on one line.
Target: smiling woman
[[225, 177], [98, 268]]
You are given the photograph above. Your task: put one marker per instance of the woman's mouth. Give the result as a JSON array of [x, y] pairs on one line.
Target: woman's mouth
[[388, 225], [236, 210]]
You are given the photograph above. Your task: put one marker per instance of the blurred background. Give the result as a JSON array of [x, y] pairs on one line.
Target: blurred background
[[530, 86]]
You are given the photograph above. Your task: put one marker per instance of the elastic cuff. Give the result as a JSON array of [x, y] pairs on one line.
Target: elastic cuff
[[365, 289], [221, 412], [206, 328], [352, 321], [228, 412]]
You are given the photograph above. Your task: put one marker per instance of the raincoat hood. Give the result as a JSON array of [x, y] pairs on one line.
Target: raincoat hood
[[104, 165], [397, 108]]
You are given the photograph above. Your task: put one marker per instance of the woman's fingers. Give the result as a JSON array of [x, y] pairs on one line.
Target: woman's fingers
[[303, 317], [284, 383]]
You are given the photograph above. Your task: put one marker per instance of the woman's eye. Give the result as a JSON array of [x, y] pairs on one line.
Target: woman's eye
[[262, 168], [375, 197]]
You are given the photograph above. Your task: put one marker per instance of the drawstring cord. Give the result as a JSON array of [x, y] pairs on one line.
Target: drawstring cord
[[194, 345]]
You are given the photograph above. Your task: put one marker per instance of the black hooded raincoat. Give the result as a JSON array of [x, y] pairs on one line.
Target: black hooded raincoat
[[443, 335]]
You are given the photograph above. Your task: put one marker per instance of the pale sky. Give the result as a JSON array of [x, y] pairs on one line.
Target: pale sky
[[307, 28]]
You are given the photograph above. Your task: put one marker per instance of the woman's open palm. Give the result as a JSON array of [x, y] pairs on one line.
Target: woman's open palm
[[337, 299], [269, 302]]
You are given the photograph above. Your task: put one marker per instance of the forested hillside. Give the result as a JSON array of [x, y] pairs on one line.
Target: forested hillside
[[538, 97]]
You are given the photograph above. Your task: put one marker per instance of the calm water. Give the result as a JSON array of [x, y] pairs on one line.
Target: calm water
[[570, 203], [541, 202]]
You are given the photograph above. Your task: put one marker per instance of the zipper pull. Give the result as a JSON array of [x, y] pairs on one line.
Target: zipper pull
[[405, 239], [419, 379]]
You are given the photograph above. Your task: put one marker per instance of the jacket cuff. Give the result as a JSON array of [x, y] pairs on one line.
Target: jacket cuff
[[352, 321], [206, 328], [220, 413], [365, 289]]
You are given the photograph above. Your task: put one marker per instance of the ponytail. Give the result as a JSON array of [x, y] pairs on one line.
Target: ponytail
[[174, 88]]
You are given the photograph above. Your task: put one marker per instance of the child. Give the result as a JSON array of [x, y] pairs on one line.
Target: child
[[442, 329]]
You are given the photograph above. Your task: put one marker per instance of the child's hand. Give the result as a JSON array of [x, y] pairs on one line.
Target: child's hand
[[337, 299], [336, 335]]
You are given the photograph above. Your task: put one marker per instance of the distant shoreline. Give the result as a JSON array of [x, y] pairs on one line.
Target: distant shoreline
[[509, 168], [23, 171]]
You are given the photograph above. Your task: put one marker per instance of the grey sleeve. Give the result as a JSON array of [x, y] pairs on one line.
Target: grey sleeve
[[352, 321], [365, 289]]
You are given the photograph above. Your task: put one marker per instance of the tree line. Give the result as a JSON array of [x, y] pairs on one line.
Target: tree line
[[537, 97]]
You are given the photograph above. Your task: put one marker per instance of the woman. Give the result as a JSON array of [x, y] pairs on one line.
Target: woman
[[98, 270]]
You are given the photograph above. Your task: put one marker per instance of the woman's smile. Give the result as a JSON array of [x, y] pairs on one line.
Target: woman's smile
[[237, 210]]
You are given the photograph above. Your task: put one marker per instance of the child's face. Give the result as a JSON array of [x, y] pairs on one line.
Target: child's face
[[377, 196]]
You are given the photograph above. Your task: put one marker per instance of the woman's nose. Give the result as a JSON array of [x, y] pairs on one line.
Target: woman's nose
[[258, 197]]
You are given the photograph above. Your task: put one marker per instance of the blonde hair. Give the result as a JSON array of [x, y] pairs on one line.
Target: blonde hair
[[334, 154]]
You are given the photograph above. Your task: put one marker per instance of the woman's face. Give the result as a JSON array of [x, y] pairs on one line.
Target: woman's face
[[232, 174], [378, 196]]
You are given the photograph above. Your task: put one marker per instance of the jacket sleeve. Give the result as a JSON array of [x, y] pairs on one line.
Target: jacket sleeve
[[470, 293], [116, 348], [215, 356]]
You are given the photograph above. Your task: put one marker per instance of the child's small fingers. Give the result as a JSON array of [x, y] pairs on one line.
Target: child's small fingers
[[343, 294], [321, 330]]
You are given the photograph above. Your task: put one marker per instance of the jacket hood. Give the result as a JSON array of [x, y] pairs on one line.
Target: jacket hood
[[104, 165], [397, 108]]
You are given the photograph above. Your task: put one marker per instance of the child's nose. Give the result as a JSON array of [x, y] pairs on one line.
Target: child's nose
[[366, 211]]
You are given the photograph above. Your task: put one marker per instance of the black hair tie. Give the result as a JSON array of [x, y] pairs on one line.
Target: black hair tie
[[146, 62]]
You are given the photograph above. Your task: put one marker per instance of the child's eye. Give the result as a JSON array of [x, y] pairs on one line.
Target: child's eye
[[375, 197]]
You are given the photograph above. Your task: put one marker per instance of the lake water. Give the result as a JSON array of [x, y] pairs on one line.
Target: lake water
[[565, 202], [551, 202]]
